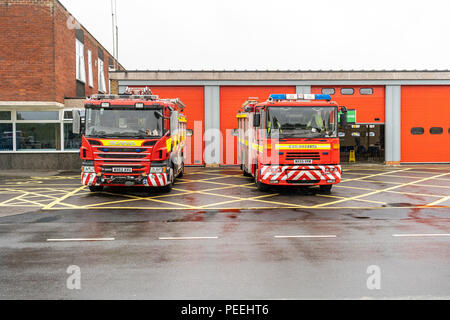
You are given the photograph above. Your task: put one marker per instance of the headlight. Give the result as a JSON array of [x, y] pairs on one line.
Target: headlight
[[88, 169], [157, 169]]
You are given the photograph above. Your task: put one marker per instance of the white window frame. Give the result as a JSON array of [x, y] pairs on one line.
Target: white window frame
[[80, 64], [12, 113], [90, 73], [101, 76]]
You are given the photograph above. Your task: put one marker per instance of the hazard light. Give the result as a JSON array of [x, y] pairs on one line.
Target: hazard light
[[300, 97]]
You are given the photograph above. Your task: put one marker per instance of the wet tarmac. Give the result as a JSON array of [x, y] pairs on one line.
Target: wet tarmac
[[216, 237]]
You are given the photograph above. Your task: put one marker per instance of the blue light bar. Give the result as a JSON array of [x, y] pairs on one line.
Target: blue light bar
[[323, 97], [277, 97], [300, 97]]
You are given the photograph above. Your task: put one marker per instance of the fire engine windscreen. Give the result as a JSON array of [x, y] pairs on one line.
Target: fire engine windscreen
[[118, 123], [301, 122]]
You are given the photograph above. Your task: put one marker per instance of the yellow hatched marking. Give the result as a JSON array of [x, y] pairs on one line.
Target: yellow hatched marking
[[377, 191], [439, 201]]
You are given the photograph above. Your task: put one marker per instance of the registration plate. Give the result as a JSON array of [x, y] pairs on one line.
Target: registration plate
[[122, 170], [303, 161]]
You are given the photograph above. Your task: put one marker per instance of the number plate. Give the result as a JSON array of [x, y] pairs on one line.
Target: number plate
[[122, 170], [303, 161]]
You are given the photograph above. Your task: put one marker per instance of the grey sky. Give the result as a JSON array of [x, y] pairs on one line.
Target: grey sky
[[273, 34]]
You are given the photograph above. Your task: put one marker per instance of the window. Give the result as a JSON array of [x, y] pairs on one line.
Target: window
[[71, 141], [90, 70], [417, 131], [101, 77], [80, 68], [37, 115], [347, 91], [41, 136], [5, 115], [366, 91], [436, 130], [329, 91], [6, 136]]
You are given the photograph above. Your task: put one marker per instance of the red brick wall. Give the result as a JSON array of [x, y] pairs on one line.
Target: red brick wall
[[26, 51], [37, 52]]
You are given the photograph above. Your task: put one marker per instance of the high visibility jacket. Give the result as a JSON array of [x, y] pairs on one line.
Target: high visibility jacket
[[318, 121]]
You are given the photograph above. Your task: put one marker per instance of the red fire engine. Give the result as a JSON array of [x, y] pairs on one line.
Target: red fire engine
[[291, 139], [132, 139]]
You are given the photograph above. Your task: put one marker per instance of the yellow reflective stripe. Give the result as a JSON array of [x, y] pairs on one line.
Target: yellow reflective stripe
[[302, 146], [122, 143], [241, 116], [169, 144]]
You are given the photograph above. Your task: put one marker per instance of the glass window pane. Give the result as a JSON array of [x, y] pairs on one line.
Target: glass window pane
[[329, 91], [68, 115], [436, 130], [347, 91], [366, 91], [5, 115], [38, 136], [37, 115], [6, 136], [71, 141], [417, 130]]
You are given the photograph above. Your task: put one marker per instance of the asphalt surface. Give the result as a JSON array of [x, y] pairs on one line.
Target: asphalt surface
[[217, 237]]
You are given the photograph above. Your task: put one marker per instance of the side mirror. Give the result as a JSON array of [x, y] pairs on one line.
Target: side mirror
[[257, 120], [235, 132], [189, 132], [344, 117], [76, 122]]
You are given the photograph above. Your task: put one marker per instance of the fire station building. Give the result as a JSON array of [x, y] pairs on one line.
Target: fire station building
[[399, 116], [48, 64]]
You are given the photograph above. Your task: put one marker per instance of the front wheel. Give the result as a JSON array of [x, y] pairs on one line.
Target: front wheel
[[171, 178], [326, 188], [261, 186], [181, 174]]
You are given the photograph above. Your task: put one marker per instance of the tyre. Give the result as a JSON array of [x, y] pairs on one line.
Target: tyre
[[261, 186], [171, 177], [95, 188], [245, 173], [326, 188]]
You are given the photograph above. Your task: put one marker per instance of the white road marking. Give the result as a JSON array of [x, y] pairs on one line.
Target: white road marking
[[187, 238], [423, 235], [80, 239], [306, 236]]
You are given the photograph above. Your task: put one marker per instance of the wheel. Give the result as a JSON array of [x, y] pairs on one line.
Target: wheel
[[261, 186], [245, 173], [326, 188], [168, 187], [95, 188]]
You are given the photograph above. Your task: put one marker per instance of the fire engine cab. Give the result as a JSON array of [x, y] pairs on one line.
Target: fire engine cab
[[291, 140], [132, 139]]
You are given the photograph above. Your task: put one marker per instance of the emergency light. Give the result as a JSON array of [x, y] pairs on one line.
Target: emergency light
[[300, 97]]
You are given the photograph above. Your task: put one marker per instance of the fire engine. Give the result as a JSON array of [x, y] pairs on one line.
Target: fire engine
[[291, 140], [132, 139]]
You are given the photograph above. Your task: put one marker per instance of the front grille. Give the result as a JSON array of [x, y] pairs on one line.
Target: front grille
[[121, 156], [303, 155], [303, 181]]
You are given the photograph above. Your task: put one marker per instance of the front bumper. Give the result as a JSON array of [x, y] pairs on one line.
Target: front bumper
[[301, 175], [151, 180]]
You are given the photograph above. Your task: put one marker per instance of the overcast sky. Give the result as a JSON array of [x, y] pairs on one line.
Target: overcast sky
[[273, 34]]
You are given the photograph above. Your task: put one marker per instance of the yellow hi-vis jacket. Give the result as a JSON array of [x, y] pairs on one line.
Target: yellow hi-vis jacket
[[318, 120]]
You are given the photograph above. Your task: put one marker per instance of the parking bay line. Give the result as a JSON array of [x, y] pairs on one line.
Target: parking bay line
[[306, 236], [188, 238], [422, 235], [80, 239]]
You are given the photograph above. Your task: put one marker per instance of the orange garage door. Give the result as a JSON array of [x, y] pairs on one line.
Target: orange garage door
[[231, 100], [193, 98], [369, 101], [425, 120]]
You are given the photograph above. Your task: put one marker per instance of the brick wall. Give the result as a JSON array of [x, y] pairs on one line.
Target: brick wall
[[26, 50], [37, 55]]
